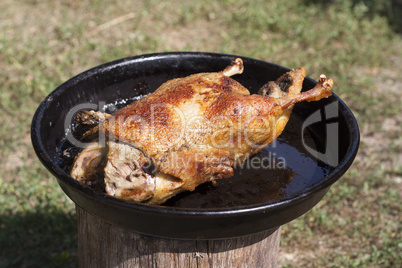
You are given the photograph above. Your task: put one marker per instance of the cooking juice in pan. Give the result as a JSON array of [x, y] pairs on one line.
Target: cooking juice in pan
[[279, 171]]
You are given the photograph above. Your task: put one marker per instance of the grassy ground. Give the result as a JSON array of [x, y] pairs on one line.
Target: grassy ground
[[43, 43]]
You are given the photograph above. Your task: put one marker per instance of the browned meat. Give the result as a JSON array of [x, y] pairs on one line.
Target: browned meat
[[193, 130], [88, 166]]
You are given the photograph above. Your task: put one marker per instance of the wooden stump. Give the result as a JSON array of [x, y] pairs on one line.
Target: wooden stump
[[101, 244]]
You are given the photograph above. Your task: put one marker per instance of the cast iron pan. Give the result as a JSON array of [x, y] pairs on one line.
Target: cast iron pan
[[255, 200]]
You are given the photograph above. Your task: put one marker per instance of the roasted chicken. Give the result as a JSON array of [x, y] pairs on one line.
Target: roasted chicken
[[190, 131]]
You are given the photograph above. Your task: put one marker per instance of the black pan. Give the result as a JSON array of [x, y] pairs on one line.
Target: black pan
[[256, 199]]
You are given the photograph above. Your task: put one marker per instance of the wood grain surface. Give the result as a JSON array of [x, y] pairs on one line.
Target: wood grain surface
[[101, 244]]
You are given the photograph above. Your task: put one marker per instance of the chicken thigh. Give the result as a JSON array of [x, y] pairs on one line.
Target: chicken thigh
[[190, 131]]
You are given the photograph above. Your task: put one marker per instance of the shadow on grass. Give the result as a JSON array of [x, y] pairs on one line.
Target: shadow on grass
[[390, 9], [46, 238]]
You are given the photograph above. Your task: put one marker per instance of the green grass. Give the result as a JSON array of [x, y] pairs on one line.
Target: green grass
[[44, 43]]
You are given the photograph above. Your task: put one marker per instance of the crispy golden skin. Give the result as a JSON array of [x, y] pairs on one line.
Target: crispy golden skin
[[197, 128]]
